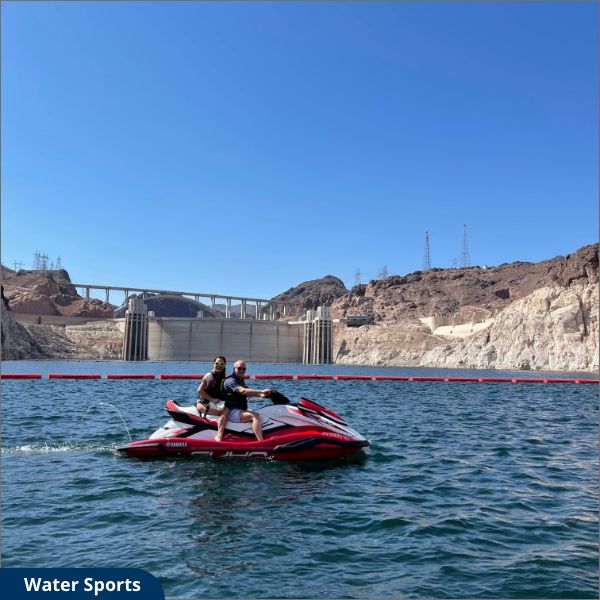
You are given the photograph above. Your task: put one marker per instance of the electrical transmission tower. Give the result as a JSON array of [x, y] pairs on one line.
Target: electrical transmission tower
[[40, 261], [357, 276], [426, 260], [36, 261], [383, 273], [465, 259], [58, 264]]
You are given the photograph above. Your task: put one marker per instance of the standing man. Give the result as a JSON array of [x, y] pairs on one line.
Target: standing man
[[236, 394]]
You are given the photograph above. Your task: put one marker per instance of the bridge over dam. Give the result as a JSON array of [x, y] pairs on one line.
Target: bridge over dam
[[263, 334], [261, 307]]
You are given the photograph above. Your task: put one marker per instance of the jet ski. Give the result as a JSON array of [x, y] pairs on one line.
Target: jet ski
[[302, 431]]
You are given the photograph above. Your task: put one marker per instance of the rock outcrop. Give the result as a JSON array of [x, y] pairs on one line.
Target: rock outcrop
[[311, 294], [95, 340], [16, 341], [553, 328], [49, 293], [389, 344]]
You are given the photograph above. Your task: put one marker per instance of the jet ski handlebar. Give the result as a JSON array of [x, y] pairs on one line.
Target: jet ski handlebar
[[278, 398]]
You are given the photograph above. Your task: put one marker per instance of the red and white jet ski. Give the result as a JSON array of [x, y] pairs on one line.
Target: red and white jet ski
[[304, 431]]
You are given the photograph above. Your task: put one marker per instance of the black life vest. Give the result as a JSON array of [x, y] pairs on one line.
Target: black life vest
[[215, 387], [235, 399]]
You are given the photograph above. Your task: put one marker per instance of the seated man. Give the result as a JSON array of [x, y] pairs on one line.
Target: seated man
[[211, 388], [236, 394]]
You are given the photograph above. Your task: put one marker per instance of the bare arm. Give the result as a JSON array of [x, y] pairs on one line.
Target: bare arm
[[250, 393]]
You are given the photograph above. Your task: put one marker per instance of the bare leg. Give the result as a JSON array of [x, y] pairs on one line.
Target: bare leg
[[221, 425], [248, 416], [257, 428]]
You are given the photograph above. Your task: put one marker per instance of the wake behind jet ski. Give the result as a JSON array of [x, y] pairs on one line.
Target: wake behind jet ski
[[302, 431]]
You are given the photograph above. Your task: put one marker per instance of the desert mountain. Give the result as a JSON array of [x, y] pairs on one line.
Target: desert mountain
[[311, 294]]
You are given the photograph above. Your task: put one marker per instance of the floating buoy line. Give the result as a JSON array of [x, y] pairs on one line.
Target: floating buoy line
[[301, 376]]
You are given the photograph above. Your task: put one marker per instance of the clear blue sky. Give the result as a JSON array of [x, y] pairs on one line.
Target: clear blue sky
[[241, 148]]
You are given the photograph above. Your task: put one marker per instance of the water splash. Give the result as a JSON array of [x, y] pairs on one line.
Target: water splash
[[110, 405], [47, 448]]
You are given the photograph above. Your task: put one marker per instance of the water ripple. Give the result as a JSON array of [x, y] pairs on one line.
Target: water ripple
[[469, 491]]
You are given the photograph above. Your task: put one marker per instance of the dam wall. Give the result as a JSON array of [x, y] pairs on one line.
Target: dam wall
[[185, 339]]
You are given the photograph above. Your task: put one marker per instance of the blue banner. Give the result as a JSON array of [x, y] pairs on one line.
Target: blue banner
[[80, 584]]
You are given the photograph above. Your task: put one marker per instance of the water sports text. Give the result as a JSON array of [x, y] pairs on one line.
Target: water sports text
[[95, 586]]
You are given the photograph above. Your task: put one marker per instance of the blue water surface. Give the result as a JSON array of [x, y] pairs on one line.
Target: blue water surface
[[471, 490]]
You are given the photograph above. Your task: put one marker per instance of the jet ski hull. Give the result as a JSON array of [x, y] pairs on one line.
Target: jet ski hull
[[295, 446], [303, 432]]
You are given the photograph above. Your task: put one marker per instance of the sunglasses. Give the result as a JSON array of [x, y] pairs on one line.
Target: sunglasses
[[219, 364], [241, 368]]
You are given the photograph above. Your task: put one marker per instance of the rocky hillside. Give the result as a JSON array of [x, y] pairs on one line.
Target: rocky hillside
[[311, 294], [49, 293], [514, 316], [460, 292], [52, 293]]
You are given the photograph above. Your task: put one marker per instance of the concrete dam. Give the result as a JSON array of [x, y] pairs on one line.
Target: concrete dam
[[255, 330], [185, 339], [147, 337]]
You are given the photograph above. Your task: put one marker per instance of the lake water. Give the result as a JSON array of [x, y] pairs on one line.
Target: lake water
[[471, 490]]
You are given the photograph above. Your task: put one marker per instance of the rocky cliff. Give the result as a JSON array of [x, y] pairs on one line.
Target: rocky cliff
[[515, 316], [554, 328], [16, 341]]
